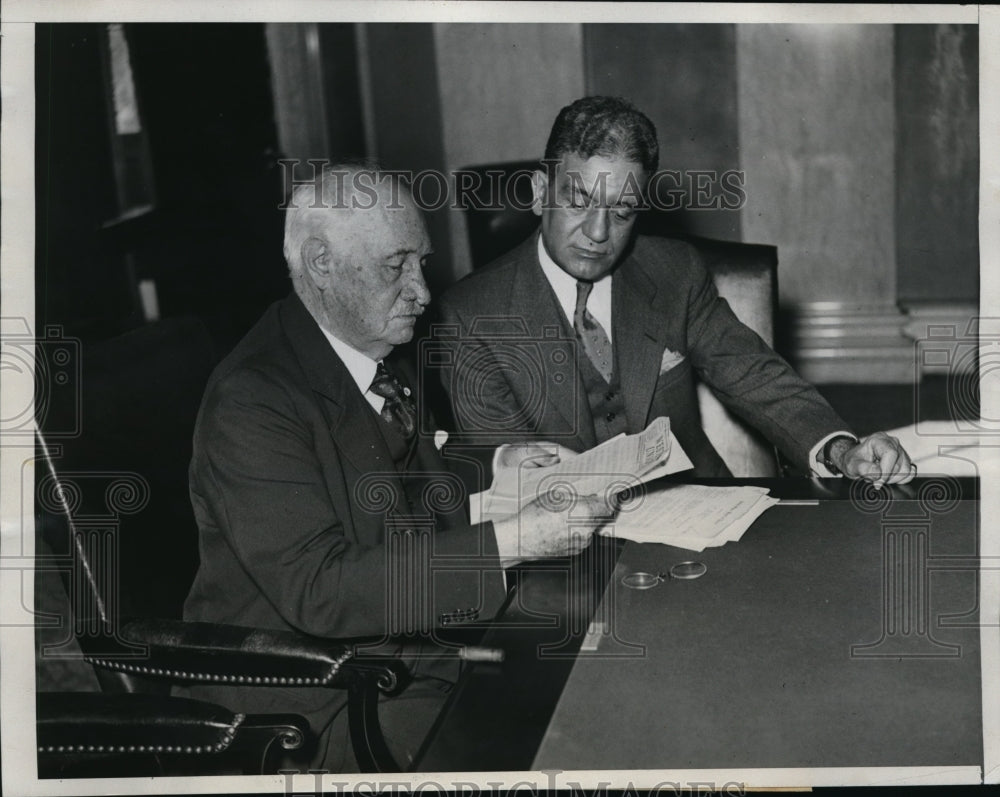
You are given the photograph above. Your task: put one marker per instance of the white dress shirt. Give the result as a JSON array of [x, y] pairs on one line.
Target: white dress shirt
[[361, 368], [564, 286]]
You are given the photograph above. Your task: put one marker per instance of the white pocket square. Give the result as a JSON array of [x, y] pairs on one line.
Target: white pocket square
[[440, 438], [670, 359]]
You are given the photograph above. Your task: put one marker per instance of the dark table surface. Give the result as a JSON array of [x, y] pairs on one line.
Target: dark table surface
[[843, 633]]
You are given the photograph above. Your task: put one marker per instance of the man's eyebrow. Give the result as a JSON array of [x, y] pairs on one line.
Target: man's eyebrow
[[403, 251], [587, 195]]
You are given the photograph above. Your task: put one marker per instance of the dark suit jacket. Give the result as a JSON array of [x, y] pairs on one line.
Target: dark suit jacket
[[291, 481], [511, 370]]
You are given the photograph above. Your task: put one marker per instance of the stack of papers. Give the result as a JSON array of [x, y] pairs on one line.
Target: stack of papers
[[691, 516], [688, 516], [624, 462]]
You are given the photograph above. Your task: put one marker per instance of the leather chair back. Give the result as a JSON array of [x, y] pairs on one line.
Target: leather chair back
[[500, 217], [122, 525]]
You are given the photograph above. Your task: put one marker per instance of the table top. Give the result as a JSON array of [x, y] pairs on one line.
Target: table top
[[843, 633]]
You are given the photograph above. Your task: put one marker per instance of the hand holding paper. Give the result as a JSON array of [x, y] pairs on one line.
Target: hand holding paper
[[623, 461], [543, 528], [530, 455], [618, 464], [684, 515]]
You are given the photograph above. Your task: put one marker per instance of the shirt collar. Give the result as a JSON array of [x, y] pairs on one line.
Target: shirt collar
[[564, 287], [360, 366], [562, 283]]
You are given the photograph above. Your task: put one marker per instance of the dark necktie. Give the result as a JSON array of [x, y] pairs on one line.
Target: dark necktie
[[591, 334], [399, 408]]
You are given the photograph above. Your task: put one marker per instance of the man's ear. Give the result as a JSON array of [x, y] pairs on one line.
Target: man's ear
[[316, 258], [539, 190]]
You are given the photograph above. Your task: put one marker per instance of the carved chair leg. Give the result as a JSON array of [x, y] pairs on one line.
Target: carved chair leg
[[370, 749]]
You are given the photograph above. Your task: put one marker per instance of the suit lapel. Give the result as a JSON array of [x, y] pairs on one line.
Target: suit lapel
[[353, 424], [533, 301], [640, 334]]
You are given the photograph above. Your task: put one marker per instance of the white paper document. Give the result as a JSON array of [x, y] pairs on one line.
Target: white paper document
[[691, 516], [620, 463], [688, 516]]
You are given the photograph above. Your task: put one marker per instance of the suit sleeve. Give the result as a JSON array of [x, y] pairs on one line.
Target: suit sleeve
[[750, 378], [274, 508]]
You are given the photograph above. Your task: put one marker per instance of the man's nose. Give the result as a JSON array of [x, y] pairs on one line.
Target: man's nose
[[418, 289], [596, 225]]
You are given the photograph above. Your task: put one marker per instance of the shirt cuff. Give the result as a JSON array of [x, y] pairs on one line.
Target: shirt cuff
[[496, 458], [819, 468]]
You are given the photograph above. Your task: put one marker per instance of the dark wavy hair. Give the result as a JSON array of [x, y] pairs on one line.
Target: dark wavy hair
[[606, 126]]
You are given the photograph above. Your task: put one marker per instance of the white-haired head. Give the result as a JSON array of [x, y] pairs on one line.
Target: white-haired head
[[355, 244]]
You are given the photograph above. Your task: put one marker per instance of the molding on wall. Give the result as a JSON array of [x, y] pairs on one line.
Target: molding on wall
[[851, 343], [881, 343]]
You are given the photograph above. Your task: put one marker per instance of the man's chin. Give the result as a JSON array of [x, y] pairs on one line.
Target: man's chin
[[402, 331], [589, 269]]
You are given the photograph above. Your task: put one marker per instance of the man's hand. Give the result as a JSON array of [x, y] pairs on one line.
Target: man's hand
[[543, 528], [878, 458], [531, 455]]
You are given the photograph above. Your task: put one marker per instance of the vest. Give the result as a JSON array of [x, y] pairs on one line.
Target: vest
[[607, 405]]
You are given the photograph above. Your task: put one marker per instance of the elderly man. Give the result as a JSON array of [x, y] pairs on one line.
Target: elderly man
[[638, 316], [321, 508]]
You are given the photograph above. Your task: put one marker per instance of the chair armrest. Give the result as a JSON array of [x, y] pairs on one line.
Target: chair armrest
[[228, 654], [94, 722]]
